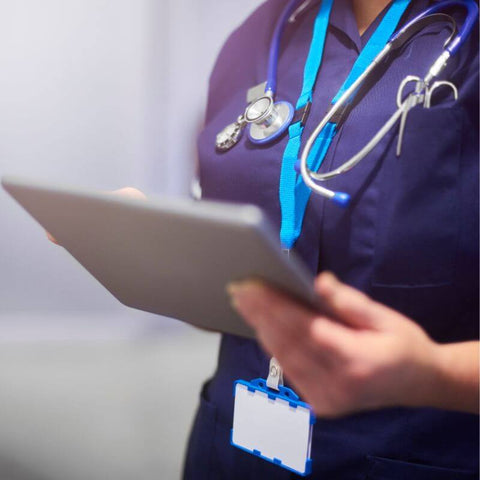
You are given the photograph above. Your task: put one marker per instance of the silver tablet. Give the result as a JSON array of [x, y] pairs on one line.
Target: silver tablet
[[167, 256]]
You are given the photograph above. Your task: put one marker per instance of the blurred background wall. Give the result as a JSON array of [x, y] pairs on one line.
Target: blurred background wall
[[101, 94]]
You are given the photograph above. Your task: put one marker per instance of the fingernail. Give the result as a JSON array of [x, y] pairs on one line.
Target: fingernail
[[240, 287], [235, 291], [233, 288], [330, 275], [326, 282]]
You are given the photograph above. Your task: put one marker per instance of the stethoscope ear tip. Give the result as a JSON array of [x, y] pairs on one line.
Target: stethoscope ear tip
[[341, 199]]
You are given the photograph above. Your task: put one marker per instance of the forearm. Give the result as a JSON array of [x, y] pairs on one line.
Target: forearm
[[457, 377]]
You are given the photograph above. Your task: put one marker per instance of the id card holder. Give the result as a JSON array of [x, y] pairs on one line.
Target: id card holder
[[275, 426]]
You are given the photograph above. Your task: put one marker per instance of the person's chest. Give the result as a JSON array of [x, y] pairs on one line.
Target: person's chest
[[399, 204]]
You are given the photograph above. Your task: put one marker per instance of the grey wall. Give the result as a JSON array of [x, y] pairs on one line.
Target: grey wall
[[99, 411]]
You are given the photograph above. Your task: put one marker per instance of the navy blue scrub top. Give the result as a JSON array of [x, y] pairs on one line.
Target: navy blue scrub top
[[409, 238]]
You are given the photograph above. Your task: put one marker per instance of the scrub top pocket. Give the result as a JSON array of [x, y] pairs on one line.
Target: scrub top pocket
[[418, 218], [387, 469]]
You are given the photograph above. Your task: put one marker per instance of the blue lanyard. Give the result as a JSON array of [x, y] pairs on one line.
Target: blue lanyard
[[293, 192]]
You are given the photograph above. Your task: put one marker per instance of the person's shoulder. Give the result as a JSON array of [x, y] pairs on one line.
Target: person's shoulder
[[255, 29], [236, 66]]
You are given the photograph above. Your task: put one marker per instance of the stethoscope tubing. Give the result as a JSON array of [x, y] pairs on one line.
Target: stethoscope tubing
[[393, 44], [274, 53], [470, 20], [398, 39]]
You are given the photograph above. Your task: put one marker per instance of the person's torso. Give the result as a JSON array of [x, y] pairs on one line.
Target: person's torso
[[409, 238]]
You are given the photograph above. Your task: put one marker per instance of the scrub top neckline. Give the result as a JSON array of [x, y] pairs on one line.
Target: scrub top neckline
[[343, 19]]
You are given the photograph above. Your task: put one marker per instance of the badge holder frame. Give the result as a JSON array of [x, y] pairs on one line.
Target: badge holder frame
[[291, 404]]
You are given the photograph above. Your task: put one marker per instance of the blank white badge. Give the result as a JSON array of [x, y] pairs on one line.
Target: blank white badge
[[274, 426]]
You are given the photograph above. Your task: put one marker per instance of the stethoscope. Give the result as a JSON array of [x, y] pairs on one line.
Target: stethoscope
[[268, 119], [420, 93], [265, 118]]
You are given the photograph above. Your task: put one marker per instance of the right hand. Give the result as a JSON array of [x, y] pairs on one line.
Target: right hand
[[129, 192]]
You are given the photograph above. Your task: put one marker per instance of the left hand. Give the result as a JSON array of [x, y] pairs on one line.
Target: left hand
[[360, 355]]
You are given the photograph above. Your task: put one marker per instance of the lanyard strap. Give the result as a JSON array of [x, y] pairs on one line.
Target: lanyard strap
[[288, 176], [315, 54], [293, 192]]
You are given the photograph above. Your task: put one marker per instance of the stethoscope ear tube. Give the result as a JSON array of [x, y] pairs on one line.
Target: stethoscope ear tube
[[271, 86], [309, 177], [467, 26], [266, 119], [406, 33], [472, 17], [397, 40]]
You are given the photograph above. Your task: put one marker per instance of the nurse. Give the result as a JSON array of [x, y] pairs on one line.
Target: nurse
[[392, 369]]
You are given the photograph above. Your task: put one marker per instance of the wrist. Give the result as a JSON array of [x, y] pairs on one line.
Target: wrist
[[427, 378], [452, 382]]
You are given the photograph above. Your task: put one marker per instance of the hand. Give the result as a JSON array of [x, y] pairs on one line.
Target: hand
[[130, 192], [125, 192], [359, 355]]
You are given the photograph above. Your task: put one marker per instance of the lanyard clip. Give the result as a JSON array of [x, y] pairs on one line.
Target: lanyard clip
[[275, 375], [340, 114], [301, 115]]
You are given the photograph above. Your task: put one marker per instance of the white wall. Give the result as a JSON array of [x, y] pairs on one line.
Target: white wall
[[98, 93]]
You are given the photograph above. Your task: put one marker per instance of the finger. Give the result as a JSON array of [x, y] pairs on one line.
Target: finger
[[309, 356], [302, 364], [256, 301], [282, 325], [313, 375], [348, 304], [329, 335], [323, 336], [52, 238], [268, 310]]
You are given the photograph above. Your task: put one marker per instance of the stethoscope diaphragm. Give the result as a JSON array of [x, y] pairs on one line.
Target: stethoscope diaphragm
[[267, 120]]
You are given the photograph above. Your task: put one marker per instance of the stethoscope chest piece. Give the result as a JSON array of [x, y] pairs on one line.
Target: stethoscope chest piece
[[267, 120]]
